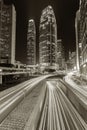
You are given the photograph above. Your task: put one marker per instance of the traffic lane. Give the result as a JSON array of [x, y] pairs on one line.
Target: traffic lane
[[22, 113], [9, 104], [61, 115]]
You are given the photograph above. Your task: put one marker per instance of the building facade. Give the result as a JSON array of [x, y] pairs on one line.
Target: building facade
[[31, 43], [48, 39], [83, 29], [7, 33], [78, 40], [82, 39]]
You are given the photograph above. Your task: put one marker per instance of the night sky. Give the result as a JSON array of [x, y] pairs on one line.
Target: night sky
[[65, 15]]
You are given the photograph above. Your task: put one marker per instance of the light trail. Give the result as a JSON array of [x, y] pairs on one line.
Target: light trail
[[61, 115], [11, 100], [53, 110]]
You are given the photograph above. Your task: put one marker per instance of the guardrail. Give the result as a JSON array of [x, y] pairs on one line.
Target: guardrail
[[78, 96]]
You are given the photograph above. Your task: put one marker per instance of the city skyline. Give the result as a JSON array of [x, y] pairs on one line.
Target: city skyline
[[50, 94], [65, 15]]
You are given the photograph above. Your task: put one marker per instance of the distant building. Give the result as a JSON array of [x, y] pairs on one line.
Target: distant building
[[71, 63], [48, 39], [31, 43], [19, 65], [60, 55], [7, 33]]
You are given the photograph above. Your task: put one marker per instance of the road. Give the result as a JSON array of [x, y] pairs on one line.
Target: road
[[44, 107], [58, 112], [12, 98]]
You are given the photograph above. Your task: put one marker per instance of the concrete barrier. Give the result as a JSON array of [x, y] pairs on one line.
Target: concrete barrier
[[79, 102]]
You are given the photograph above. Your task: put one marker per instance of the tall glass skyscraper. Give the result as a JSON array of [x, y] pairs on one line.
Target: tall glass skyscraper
[[7, 33], [31, 43], [48, 38], [60, 54]]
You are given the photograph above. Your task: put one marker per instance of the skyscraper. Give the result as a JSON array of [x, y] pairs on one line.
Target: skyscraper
[[7, 33], [31, 43], [48, 38], [81, 37], [60, 54], [77, 28]]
